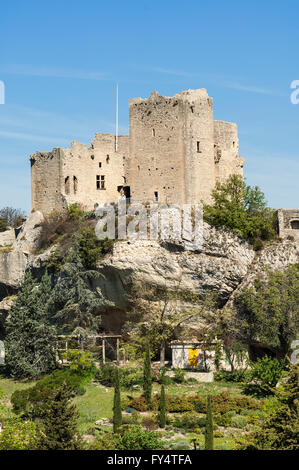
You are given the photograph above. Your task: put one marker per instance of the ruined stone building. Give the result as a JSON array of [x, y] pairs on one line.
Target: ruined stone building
[[174, 153]]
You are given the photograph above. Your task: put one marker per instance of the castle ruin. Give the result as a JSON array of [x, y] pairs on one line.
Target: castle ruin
[[175, 153]]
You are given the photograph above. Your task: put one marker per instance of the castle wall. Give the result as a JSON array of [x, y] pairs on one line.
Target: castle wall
[[198, 127], [174, 154], [226, 150], [156, 163], [46, 181], [288, 223], [79, 175]]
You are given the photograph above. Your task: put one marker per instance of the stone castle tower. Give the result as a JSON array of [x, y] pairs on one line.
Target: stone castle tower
[[175, 153]]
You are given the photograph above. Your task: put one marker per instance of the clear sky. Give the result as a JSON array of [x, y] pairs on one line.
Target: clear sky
[[60, 60]]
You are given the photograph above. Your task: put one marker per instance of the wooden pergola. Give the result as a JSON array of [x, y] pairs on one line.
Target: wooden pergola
[[103, 337]]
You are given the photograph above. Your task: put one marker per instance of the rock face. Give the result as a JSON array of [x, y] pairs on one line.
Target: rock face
[[221, 265], [7, 238], [28, 239], [224, 264]]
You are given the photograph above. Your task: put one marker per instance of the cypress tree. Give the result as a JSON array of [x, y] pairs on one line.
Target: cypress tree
[[117, 415], [147, 375], [162, 414], [59, 430], [209, 435], [30, 340]]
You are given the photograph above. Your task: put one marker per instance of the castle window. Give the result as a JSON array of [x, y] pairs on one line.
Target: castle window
[[156, 196], [100, 164], [100, 182], [234, 143], [67, 185], [153, 132], [107, 159], [192, 109], [295, 224], [75, 183], [198, 147]]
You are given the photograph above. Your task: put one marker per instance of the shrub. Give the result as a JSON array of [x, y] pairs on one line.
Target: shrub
[[106, 441], [18, 435], [189, 420], [240, 375], [180, 445], [32, 401], [238, 421], [267, 372], [257, 244], [149, 423], [137, 439], [179, 376]]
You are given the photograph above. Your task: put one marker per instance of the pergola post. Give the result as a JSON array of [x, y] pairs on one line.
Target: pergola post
[[103, 351]]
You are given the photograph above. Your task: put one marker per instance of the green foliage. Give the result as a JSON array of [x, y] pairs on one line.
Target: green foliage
[[128, 377], [237, 376], [74, 303], [31, 402], [30, 339], [266, 371], [105, 441], [280, 430], [18, 435], [238, 421], [90, 248], [242, 209], [189, 421], [78, 359], [59, 422], [162, 413], [179, 376], [218, 355], [269, 311], [137, 439], [147, 375], [209, 436], [117, 415], [3, 224]]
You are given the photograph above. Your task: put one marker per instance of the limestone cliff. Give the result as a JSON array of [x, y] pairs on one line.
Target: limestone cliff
[[225, 264]]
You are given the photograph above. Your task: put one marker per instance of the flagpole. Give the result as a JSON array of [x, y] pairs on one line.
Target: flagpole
[[116, 124]]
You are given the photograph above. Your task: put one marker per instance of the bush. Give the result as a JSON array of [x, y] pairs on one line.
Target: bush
[[238, 421], [180, 445], [107, 441], [266, 372], [179, 376], [18, 435], [137, 439], [33, 401], [237, 376], [189, 420]]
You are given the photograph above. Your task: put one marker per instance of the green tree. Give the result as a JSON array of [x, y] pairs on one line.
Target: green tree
[[59, 422], [268, 312], [74, 301], [266, 371], [280, 430], [240, 208], [117, 414], [162, 413], [30, 340], [209, 434], [147, 375]]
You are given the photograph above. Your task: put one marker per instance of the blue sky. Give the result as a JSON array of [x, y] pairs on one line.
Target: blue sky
[[60, 61]]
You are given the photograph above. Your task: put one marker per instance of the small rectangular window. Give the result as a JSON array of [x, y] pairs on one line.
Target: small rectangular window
[[156, 196], [100, 182], [100, 164], [198, 146]]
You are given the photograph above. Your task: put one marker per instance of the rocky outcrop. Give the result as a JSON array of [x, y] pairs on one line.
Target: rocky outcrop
[[29, 237], [7, 238]]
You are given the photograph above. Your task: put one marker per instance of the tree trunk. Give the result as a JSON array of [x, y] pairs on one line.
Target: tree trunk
[[162, 353]]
